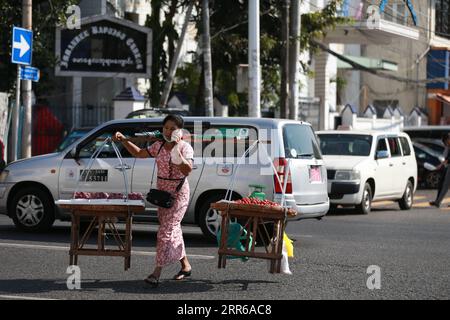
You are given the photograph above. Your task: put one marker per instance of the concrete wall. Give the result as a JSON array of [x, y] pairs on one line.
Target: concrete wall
[[404, 52]]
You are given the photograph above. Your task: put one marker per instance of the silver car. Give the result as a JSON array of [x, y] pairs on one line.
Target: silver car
[[29, 187]]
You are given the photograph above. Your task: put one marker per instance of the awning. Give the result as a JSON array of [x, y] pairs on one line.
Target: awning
[[376, 64]]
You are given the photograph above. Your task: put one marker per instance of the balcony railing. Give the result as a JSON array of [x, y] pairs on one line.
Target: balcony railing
[[357, 10]]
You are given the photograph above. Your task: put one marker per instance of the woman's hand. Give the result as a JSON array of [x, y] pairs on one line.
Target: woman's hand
[[177, 135], [118, 137]]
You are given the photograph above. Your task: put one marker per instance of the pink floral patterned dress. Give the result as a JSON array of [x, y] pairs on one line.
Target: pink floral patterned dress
[[170, 244]]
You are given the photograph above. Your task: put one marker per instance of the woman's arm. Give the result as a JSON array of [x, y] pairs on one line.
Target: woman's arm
[[133, 149], [185, 166]]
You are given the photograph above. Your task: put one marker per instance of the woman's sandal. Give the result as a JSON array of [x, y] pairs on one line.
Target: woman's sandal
[[182, 274], [152, 280]]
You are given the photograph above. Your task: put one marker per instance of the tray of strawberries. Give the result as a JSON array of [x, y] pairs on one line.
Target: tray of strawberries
[[103, 200], [253, 204]]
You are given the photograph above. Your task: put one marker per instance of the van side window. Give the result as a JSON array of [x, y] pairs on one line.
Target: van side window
[[228, 141], [94, 143], [405, 146], [394, 145], [382, 145]]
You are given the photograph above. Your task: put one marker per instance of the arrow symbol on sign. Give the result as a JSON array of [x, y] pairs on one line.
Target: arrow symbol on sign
[[23, 46]]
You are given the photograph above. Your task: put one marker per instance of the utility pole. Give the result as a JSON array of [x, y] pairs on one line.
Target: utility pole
[[254, 72], [284, 91], [209, 108], [27, 21], [15, 121], [294, 55], [176, 59]]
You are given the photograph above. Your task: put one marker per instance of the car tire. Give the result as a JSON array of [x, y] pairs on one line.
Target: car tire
[[366, 203], [208, 219], [406, 202], [32, 210]]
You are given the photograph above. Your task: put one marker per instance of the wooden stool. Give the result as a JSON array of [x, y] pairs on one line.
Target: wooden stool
[[255, 218], [105, 218]]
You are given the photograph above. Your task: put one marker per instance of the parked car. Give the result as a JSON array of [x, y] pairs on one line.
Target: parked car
[[435, 145], [424, 154], [155, 113], [364, 167], [73, 136], [29, 187], [427, 132]]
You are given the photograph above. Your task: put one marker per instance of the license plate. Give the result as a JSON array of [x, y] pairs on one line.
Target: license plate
[[315, 175]]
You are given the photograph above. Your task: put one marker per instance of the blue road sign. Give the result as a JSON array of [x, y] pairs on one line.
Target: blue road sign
[[29, 73], [22, 46]]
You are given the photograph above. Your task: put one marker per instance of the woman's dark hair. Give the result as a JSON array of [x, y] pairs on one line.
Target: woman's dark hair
[[178, 120]]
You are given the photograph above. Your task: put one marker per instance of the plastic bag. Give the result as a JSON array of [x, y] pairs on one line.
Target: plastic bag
[[289, 246], [285, 262]]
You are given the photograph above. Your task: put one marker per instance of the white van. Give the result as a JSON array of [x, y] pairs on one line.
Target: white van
[[42, 180], [363, 167]]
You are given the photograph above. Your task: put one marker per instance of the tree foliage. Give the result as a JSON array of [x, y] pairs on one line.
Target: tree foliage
[[229, 43], [46, 15]]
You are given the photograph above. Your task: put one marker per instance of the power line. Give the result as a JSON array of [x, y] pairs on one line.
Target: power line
[[385, 75]]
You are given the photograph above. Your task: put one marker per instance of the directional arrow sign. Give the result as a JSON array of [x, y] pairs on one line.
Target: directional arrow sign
[[29, 73], [22, 44]]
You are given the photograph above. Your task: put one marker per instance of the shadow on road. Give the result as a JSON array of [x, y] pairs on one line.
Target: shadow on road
[[61, 234], [35, 286]]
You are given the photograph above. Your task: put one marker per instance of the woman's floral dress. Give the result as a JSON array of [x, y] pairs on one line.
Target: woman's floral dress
[[170, 245]]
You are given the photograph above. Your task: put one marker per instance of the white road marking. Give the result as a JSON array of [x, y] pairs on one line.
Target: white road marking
[[61, 248], [23, 298]]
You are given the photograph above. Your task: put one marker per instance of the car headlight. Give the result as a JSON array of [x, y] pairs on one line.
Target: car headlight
[[347, 175], [4, 175]]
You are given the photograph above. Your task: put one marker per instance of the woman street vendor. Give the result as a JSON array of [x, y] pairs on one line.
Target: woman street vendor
[[170, 244]]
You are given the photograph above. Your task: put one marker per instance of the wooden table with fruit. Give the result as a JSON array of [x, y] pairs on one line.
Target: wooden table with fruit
[[102, 210], [253, 214]]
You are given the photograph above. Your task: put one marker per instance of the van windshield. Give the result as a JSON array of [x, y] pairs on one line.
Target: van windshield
[[300, 142], [345, 144]]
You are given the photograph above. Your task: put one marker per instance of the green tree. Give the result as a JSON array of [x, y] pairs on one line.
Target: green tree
[[229, 30], [46, 15], [162, 22]]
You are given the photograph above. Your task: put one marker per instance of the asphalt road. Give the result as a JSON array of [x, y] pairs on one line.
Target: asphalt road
[[412, 250]]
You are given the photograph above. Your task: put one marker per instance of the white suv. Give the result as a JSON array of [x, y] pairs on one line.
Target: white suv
[[369, 166], [29, 187]]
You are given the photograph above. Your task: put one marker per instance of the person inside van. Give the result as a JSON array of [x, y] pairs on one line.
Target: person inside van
[[170, 244], [444, 181]]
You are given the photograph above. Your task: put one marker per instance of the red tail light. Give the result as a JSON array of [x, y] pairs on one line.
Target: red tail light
[[281, 167]]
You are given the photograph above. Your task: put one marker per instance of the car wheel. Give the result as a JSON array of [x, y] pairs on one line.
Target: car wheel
[[432, 180], [406, 202], [209, 219], [32, 210], [366, 203]]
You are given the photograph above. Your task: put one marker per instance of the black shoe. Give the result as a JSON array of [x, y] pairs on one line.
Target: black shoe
[[182, 275], [434, 203], [152, 281]]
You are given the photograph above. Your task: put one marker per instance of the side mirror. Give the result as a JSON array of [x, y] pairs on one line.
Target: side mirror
[[75, 154], [382, 155]]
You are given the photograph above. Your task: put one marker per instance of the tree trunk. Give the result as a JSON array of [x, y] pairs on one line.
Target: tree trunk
[[206, 48], [176, 59], [170, 29], [157, 52], [284, 90], [294, 56]]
